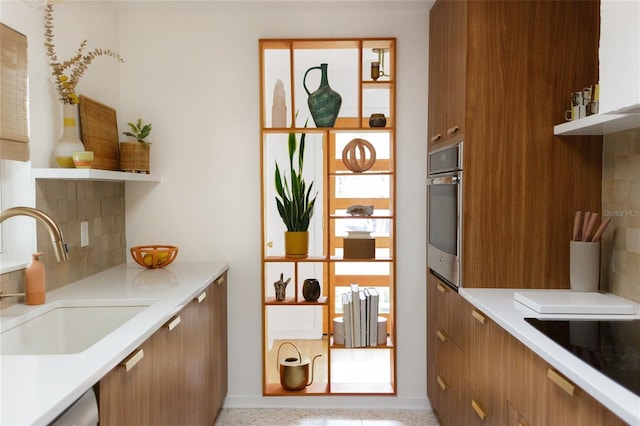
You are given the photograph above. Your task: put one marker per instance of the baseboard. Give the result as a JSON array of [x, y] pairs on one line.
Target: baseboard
[[355, 402]]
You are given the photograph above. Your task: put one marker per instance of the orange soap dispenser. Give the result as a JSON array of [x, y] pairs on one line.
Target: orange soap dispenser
[[35, 281]]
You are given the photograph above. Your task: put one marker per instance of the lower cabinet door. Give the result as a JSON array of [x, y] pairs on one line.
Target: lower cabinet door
[[169, 387], [219, 347], [196, 352], [125, 394]]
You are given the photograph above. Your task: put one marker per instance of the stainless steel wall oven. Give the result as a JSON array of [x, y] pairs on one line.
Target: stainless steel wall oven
[[444, 206]]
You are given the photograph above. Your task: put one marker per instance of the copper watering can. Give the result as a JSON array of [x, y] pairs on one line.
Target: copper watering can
[[294, 372]]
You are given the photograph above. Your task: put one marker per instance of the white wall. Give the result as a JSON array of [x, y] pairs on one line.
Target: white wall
[[191, 68]]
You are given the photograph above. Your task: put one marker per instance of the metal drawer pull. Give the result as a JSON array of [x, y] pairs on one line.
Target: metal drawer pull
[[202, 296], [478, 316], [564, 384], [220, 280], [436, 137], [442, 288], [453, 130], [479, 409], [173, 323], [442, 383], [442, 336], [130, 362]]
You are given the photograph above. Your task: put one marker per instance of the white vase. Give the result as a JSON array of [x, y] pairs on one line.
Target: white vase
[[69, 142]]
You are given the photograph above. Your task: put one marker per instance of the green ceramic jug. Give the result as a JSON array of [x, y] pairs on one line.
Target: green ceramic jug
[[324, 103]]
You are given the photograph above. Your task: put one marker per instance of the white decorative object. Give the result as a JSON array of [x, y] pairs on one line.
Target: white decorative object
[[584, 266], [279, 108]]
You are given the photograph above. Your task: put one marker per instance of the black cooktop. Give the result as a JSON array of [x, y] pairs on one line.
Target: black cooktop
[[612, 347]]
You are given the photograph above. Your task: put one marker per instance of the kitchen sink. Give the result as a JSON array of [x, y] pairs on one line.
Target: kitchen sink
[[64, 328]]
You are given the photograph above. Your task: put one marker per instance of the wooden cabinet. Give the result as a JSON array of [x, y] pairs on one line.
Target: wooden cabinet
[[126, 393], [351, 165], [179, 375], [509, 90], [540, 394], [447, 76], [168, 389], [484, 363], [474, 411], [490, 378], [219, 344], [445, 337], [197, 366]]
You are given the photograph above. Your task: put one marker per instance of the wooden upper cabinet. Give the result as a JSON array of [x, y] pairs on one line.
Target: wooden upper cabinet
[[456, 71], [447, 72], [437, 48], [496, 83]]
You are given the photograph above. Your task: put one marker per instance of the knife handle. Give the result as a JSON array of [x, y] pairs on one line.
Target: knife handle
[[591, 226], [601, 228], [585, 223], [576, 226]]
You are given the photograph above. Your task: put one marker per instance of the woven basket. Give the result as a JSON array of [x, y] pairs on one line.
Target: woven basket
[[134, 157]]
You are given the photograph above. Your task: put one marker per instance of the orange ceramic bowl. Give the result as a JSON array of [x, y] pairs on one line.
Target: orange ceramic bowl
[[154, 256]]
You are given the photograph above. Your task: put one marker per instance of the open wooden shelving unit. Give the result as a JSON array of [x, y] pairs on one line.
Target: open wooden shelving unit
[[340, 370]]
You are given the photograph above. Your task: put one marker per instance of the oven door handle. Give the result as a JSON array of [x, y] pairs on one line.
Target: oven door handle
[[443, 180]]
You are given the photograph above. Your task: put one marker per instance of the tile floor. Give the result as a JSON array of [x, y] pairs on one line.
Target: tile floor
[[324, 417]]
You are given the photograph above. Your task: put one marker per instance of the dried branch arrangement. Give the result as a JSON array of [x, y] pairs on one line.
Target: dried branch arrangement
[[68, 73]]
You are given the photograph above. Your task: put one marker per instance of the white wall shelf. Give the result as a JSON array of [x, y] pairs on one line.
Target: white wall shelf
[[599, 124], [92, 174]]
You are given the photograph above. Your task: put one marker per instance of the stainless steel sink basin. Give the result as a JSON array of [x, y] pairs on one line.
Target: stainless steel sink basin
[[63, 329]]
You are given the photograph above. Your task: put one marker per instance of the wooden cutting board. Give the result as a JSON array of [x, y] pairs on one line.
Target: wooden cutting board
[[99, 128]]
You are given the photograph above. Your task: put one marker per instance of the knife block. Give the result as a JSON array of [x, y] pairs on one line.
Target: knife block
[[584, 267]]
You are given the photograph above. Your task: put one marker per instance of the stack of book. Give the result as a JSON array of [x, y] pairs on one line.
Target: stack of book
[[360, 317]]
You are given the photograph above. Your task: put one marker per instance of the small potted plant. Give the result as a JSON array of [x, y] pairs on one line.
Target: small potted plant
[[134, 156], [295, 201]]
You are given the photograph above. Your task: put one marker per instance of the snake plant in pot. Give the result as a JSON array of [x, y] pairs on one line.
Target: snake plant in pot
[[295, 201]]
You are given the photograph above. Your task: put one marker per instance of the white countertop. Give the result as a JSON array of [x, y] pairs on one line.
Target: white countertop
[[37, 388], [501, 307]]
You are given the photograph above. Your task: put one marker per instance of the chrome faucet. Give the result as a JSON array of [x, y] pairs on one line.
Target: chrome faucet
[[59, 245]]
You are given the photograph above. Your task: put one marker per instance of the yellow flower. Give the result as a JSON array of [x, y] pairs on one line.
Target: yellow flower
[[62, 78]]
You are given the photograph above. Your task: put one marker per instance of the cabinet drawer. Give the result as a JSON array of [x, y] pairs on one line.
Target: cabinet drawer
[[448, 310], [448, 378], [486, 361], [475, 409]]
